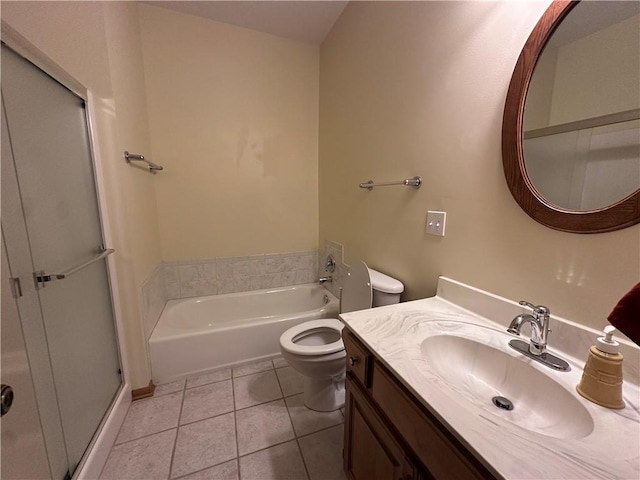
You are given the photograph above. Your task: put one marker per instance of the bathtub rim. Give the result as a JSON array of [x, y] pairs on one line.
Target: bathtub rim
[[333, 304]]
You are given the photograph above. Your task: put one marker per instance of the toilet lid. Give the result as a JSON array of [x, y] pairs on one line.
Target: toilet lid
[[356, 292], [289, 339]]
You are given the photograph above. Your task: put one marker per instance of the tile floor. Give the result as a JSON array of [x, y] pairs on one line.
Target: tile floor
[[245, 423]]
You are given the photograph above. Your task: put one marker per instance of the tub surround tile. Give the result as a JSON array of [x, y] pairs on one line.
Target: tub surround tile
[[153, 297], [291, 382], [276, 265], [305, 261], [275, 280], [240, 284], [263, 426], [224, 471], [171, 273], [190, 273], [253, 367], [207, 401], [307, 421], [151, 415], [198, 288], [240, 266], [199, 270], [173, 290], [204, 444], [211, 377], [191, 278], [209, 269], [341, 271], [189, 289], [283, 461], [171, 387], [148, 457], [255, 389], [322, 453], [305, 276]]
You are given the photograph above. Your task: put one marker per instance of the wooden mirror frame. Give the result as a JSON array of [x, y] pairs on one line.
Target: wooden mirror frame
[[622, 214]]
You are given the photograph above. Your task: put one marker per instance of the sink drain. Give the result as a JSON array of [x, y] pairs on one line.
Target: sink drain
[[503, 403]]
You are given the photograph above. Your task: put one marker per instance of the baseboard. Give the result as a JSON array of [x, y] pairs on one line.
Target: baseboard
[[144, 392]]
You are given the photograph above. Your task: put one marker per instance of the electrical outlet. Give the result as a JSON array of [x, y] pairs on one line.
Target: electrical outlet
[[436, 222]]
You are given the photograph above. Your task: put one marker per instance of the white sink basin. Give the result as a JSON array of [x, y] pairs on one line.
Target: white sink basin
[[478, 372]]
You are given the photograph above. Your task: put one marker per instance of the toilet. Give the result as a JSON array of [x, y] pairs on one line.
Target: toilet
[[315, 348]]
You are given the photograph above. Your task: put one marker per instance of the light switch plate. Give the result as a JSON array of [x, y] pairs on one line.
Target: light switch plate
[[436, 222]]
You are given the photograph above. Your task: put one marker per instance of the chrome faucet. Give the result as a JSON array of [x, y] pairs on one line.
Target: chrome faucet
[[537, 347], [539, 322], [328, 279]]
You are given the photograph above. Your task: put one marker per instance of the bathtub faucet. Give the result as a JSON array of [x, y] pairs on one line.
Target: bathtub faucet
[[328, 279]]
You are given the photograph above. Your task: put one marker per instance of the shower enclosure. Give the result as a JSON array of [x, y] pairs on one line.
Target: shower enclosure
[[60, 358]]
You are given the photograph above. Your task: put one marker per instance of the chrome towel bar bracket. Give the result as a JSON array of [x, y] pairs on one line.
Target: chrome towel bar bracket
[[409, 182], [132, 157]]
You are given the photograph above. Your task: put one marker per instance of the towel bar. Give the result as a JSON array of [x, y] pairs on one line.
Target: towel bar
[[132, 157], [409, 182]]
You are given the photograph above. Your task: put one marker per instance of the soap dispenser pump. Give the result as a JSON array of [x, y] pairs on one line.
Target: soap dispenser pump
[[601, 380]]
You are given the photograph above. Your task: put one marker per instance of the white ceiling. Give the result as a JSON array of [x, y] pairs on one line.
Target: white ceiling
[[304, 21]]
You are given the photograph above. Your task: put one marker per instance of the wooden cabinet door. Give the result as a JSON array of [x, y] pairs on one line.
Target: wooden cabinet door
[[370, 451]]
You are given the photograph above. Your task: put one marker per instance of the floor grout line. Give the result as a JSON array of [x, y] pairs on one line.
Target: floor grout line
[[231, 376], [210, 383], [175, 441], [282, 398], [205, 468], [235, 425], [293, 428], [144, 436]]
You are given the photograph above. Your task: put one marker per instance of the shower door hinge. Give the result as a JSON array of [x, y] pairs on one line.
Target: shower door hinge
[[40, 279], [16, 288]]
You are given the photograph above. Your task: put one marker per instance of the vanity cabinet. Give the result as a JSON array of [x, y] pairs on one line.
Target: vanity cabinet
[[389, 435]]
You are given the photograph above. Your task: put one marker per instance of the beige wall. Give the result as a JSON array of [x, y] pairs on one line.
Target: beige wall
[[97, 44], [418, 88], [234, 120]]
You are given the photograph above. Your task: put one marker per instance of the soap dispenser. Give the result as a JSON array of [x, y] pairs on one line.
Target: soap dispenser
[[601, 380]]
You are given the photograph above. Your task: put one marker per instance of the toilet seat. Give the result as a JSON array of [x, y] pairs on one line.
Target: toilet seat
[[289, 338]]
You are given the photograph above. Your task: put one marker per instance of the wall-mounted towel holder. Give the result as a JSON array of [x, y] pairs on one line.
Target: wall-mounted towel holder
[[132, 157], [409, 182]]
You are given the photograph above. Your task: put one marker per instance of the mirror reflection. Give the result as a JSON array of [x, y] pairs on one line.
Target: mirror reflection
[[581, 119]]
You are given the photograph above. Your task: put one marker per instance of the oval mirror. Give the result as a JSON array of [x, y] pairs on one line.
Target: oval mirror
[[571, 126]]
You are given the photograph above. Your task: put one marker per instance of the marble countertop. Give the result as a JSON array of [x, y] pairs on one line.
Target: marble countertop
[[612, 450]]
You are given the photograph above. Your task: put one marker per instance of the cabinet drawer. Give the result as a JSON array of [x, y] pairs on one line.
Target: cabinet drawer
[[434, 446], [358, 358]]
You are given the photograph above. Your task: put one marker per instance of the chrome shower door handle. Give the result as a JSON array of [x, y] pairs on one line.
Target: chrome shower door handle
[[41, 278]]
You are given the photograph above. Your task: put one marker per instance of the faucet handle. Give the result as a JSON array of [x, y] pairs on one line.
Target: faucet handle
[[537, 309]]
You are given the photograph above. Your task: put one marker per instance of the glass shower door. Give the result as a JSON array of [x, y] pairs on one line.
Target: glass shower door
[[49, 140]]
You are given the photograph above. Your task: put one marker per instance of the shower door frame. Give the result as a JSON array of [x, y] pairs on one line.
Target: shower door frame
[[98, 449]]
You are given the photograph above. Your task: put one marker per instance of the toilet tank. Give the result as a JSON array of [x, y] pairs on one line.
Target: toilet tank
[[386, 290]]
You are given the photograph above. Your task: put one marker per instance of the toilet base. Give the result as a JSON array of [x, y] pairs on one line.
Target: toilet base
[[323, 394]]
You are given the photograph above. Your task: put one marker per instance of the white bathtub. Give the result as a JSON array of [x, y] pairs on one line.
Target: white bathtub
[[195, 335]]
